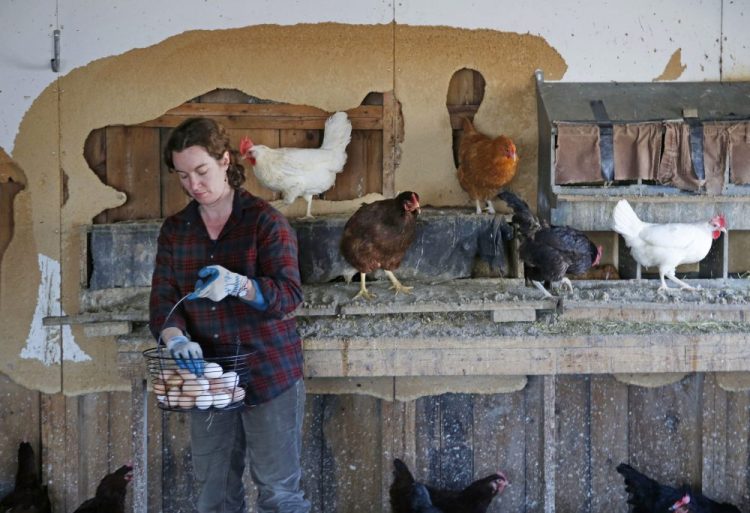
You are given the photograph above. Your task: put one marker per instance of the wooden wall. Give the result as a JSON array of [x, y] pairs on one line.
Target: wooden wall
[[691, 431], [129, 157]]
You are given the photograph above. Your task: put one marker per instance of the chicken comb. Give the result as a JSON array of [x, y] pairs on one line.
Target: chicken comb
[[245, 145]]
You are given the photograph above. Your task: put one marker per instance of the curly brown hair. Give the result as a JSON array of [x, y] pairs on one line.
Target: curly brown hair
[[212, 137]]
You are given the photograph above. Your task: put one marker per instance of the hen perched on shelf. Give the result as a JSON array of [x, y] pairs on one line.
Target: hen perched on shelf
[[485, 165], [296, 172], [666, 246], [377, 236], [550, 252]]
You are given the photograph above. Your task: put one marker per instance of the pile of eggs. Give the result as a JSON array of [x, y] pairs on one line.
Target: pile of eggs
[[180, 388]]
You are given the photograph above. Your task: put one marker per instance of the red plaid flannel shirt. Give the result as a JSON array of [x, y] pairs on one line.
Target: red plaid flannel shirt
[[257, 241]]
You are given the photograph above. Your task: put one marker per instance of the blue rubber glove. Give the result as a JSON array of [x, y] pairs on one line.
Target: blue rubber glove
[[187, 354], [216, 283]]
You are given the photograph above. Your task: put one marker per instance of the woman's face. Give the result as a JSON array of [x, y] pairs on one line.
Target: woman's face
[[203, 177]]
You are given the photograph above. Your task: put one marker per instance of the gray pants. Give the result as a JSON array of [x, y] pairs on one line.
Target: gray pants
[[271, 435]]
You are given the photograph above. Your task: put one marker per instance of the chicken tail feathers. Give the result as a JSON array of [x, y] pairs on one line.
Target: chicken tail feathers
[[527, 222], [401, 473], [338, 132], [625, 221]]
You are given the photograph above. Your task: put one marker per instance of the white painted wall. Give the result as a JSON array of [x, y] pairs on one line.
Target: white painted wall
[[601, 40]]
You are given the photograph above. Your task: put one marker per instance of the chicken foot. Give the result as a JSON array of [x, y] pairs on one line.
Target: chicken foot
[[397, 284], [541, 287], [566, 282], [363, 292], [672, 277]]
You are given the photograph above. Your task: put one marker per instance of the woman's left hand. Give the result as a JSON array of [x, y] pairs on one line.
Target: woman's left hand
[[216, 283]]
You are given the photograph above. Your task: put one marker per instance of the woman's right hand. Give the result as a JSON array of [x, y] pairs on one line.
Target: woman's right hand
[[187, 354]]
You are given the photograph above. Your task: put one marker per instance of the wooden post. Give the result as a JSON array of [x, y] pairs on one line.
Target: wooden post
[[391, 139], [550, 444]]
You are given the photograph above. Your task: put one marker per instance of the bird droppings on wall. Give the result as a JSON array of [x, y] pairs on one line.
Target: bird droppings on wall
[[50, 344], [674, 68]]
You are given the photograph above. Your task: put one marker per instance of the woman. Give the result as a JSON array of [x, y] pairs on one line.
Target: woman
[[244, 253]]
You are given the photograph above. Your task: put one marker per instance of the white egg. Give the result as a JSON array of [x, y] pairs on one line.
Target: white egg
[[213, 370], [238, 395], [187, 401], [221, 399], [230, 379], [204, 401], [161, 398]]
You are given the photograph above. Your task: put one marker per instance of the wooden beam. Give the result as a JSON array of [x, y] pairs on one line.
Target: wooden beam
[[550, 444], [267, 116], [391, 140]]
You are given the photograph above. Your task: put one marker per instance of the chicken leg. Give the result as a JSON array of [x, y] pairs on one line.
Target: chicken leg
[[539, 285], [672, 277], [566, 281], [397, 284], [363, 292], [308, 199]]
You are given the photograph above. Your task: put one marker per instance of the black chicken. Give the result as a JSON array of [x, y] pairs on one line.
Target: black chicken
[[550, 252], [648, 496], [110, 494], [28, 495], [407, 495], [420, 500]]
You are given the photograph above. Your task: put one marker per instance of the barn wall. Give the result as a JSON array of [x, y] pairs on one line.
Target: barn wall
[[693, 429]]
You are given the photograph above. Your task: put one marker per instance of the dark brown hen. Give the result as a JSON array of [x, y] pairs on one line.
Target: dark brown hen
[[407, 496], [377, 236], [110, 494], [28, 495]]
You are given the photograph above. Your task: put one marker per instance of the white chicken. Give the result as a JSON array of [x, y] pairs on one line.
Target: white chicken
[[666, 246], [296, 172]]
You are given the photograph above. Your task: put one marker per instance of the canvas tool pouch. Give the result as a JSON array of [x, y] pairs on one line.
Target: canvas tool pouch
[[637, 150], [577, 158]]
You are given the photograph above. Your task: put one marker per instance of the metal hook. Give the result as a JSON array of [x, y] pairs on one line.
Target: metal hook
[[55, 62]]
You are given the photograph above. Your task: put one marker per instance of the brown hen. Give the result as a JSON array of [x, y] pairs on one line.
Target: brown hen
[[377, 236], [485, 165]]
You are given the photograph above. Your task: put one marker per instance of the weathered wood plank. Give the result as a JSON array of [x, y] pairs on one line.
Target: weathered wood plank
[[609, 443], [134, 167], [353, 181], [155, 449], [735, 486], [53, 435], [534, 434], [350, 420], [313, 451], [664, 430], [94, 435], [713, 436], [500, 424], [178, 486], [20, 421], [456, 440], [173, 196], [266, 137], [572, 411], [549, 443], [391, 139]]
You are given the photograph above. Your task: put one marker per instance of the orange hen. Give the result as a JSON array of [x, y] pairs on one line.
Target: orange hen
[[485, 165]]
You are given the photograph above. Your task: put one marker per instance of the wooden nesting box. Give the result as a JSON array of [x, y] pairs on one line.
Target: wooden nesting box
[[677, 151]]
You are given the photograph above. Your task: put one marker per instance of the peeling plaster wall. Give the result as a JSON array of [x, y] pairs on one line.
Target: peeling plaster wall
[[123, 64]]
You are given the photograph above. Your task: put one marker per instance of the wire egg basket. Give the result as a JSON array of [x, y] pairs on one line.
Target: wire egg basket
[[221, 387]]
